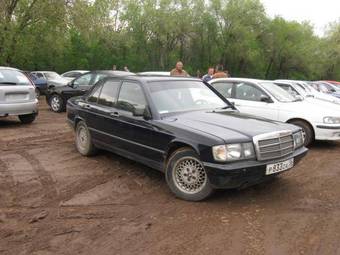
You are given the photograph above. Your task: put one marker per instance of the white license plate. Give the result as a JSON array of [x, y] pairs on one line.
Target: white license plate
[[279, 167]]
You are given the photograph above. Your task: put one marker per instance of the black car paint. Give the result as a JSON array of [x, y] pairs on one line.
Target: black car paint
[[150, 141]]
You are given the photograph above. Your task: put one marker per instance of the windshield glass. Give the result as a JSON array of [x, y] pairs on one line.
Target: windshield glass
[[277, 92], [52, 76], [13, 77], [179, 96]]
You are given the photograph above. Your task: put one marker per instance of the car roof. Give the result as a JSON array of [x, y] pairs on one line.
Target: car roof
[[78, 71], [239, 79], [154, 73], [8, 68], [149, 78]]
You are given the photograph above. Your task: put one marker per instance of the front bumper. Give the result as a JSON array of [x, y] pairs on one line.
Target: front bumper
[[15, 109], [329, 132], [246, 173]]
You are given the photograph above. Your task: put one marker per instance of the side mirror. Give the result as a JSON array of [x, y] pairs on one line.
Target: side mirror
[[70, 84], [266, 99], [299, 97]]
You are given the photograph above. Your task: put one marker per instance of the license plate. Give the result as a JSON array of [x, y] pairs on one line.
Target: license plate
[[279, 167]]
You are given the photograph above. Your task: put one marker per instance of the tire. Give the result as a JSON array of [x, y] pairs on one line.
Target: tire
[[186, 176], [57, 103], [37, 92], [307, 131], [27, 118], [83, 140]]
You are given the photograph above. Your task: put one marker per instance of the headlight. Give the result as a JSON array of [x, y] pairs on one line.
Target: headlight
[[232, 152], [331, 120], [299, 139]]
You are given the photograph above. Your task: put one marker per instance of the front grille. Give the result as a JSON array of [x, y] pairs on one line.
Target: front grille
[[274, 145]]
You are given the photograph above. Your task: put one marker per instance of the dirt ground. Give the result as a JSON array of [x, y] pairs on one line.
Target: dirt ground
[[54, 201]]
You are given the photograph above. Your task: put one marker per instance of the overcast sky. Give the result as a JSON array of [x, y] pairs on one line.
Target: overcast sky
[[319, 12]]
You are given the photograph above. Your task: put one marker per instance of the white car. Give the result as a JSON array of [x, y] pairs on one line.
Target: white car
[[319, 120], [17, 95], [309, 91], [155, 73], [71, 75]]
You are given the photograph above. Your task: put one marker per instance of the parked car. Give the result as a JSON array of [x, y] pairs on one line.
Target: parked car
[[53, 78], [326, 88], [71, 75], [265, 99], [185, 129], [57, 97], [40, 84], [311, 91], [17, 95], [334, 82]]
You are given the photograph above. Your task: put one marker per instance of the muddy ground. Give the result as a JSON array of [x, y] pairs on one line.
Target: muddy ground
[[54, 201]]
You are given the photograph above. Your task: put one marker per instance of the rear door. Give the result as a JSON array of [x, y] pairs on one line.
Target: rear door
[[101, 115]]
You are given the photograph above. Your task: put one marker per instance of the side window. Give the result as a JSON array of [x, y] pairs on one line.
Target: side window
[[131, 97], [93, 97], [246, 91], [83, 80], [225, 88], [108, 94], [39, 75]]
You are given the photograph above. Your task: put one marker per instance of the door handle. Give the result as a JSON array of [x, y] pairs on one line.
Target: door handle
[[86, 106], [114, 114]]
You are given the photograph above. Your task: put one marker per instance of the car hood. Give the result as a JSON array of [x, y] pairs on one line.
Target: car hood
[[314, 106], [230, 126], [58, 82]]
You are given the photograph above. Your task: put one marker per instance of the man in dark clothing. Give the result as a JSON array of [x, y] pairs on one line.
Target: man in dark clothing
[[209, 75]]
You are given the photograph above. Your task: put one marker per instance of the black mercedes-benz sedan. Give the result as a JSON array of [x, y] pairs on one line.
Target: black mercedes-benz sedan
[[57, 97], [186, 129]]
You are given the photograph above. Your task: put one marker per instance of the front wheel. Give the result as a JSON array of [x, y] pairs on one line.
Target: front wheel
[[307, 131], [186, 176], [27, 118], [57, 103]]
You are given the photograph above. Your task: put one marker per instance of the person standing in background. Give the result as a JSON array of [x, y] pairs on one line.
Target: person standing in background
[[126, 69], [220, 73], [178, 70], [114, 67], [209, 75]]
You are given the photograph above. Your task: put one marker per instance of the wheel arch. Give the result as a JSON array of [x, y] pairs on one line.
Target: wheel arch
[[177, 144], [303, 120]]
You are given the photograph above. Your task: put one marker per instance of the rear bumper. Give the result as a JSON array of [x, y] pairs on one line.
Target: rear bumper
[[330, 132], [243, 174], [18, 108]]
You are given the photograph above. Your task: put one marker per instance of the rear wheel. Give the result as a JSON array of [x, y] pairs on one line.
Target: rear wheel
[[27, 118], [307, 131], [57, 103], [186, 176], [83, 140]]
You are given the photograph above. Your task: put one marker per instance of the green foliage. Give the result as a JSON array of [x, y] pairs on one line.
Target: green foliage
[[153, 34]]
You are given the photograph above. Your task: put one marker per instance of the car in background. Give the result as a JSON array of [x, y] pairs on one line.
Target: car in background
[[265, 99], [57, 97], [17, 95], [334, 82], [53, 79], [71, 75], [309, 90], [154, 73], [326, 88], [40, 84], [182, 127]]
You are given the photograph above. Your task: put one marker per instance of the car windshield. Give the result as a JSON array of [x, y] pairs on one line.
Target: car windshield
[[279, 93], [52, 75], [13, 77], [179, 96]]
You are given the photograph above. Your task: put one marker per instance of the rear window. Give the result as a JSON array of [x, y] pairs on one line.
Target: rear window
[[13, 78]]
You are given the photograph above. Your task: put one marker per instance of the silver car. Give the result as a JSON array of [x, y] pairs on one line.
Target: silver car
[[17, 95]]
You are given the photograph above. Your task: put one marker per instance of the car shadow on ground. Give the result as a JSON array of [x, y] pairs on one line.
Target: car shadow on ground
[[9, 123], [324, 145]]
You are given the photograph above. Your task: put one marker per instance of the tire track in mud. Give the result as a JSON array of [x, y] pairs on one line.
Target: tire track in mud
[[9, 184], [45, 178]]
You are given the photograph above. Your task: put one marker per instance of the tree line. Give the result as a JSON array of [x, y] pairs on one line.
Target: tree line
[[146, 35]]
